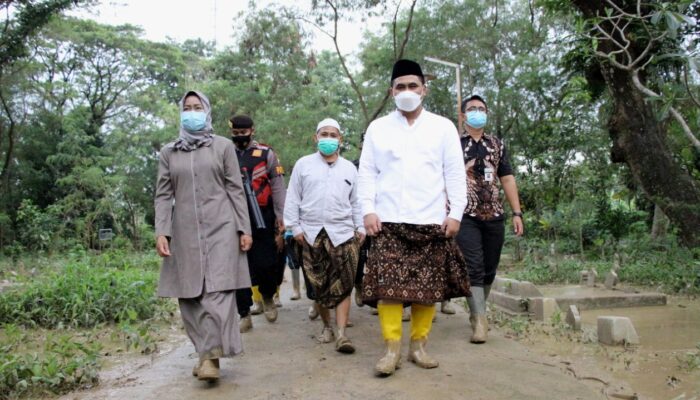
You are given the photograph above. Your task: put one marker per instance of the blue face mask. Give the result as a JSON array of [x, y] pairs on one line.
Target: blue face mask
[[476, 119], [328, 146], [193, 121]]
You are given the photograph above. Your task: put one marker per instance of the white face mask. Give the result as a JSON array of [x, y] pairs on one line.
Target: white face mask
[[407, 100]]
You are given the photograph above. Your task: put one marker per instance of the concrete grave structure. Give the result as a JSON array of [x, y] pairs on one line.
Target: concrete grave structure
[[615, 331]]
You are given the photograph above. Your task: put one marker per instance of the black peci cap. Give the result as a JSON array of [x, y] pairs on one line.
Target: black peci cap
[[241, 122], [406, 67]]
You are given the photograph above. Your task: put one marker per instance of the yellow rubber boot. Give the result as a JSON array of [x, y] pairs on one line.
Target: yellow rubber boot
[[390, 321], [421, 324], [257, 301]]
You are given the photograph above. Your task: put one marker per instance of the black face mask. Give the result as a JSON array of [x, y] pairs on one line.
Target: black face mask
[[241, 141]]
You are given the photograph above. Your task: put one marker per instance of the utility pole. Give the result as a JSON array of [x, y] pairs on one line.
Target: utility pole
[[457, 67]]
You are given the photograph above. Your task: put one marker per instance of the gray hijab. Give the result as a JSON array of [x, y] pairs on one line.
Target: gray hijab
[[189, 141]]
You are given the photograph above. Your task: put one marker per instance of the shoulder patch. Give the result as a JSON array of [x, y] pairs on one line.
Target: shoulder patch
[[263, 146], [257, 153]]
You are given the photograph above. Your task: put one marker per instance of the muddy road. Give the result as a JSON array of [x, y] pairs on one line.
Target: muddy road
[[284, 361]]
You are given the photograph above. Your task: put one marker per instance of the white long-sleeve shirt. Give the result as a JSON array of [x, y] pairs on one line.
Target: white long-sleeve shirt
[[323, 196], [409, 172]]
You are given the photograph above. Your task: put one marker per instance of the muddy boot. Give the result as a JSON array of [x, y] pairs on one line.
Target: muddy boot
[[326, 335], [487, 290], [270, 310], [276, 299], [313, 312], [257, 308], [246, 324], [208, 370], [480, 329], [477, 315], [391, 360], [446, 307], [296, 293], [343, 344], [418, 356]]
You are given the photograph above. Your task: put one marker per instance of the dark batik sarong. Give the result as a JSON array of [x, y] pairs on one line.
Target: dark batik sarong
[[414, 264], [330, 270]]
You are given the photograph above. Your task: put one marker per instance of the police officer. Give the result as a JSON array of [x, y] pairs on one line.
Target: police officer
[[265, 258]]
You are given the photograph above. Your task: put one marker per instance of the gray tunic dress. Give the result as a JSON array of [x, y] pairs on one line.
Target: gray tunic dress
[[200, 205], [204, 223]]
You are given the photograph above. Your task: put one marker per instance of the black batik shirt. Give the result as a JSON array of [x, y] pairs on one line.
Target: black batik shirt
[[485, 160]]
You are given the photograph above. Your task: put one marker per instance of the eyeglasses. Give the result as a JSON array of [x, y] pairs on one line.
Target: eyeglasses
[[474, 108]]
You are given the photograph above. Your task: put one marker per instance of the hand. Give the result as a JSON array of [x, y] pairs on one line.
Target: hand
[[299, 239], [246, 242], [279, 241], [280, 225], [450, 227], [372, 224], [162, 246], [361, 238], [518, 227]]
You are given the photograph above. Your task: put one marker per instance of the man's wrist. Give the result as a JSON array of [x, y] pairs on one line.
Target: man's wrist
[[518, 214]]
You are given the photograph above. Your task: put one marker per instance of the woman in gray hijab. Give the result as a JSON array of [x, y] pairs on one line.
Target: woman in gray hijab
[[202, 233]]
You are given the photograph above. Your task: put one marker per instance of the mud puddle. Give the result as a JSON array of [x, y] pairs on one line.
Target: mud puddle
[[666, 364]]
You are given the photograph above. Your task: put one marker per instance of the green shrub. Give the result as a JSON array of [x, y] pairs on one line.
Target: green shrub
[[64, 365], [82, 295]]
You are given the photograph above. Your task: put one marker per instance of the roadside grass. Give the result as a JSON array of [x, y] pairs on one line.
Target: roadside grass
[[60, 317]]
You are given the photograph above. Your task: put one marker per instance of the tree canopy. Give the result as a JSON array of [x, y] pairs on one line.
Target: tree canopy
[[597, 102]]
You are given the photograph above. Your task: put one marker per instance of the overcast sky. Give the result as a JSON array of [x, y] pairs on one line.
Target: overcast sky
[[161, 19]]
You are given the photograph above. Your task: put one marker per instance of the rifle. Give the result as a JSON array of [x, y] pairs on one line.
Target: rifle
[[253, 206]]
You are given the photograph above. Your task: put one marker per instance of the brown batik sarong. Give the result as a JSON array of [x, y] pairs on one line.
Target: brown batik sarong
[[414, 264], [330, 270]]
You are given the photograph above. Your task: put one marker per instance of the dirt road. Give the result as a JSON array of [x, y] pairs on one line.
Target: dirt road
[[283, 361]]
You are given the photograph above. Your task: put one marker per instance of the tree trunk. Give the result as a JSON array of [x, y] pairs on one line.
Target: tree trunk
[[660, 224], [639, 141]]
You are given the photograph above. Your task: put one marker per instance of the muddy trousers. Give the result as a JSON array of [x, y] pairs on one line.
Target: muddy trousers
[[390, 320]]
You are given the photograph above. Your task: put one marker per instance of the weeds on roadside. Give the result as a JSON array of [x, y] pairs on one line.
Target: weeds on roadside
[[64, 364], [82, 295], [689, 361]]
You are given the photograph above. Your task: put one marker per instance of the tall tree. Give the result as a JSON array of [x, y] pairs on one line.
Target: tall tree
[[627, 36]]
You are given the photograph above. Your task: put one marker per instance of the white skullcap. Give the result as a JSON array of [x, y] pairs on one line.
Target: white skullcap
[[328, 122]]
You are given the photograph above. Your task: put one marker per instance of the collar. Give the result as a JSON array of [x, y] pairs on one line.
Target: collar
[[484, 138], [401, 119], [323, 160], [253, 143]]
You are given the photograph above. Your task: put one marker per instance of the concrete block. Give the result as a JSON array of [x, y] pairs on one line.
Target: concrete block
[[516, 288], [611, 280], [573, 318], [616, 331], [592, 275], [583, 278], [542, 308], [512, 304]]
